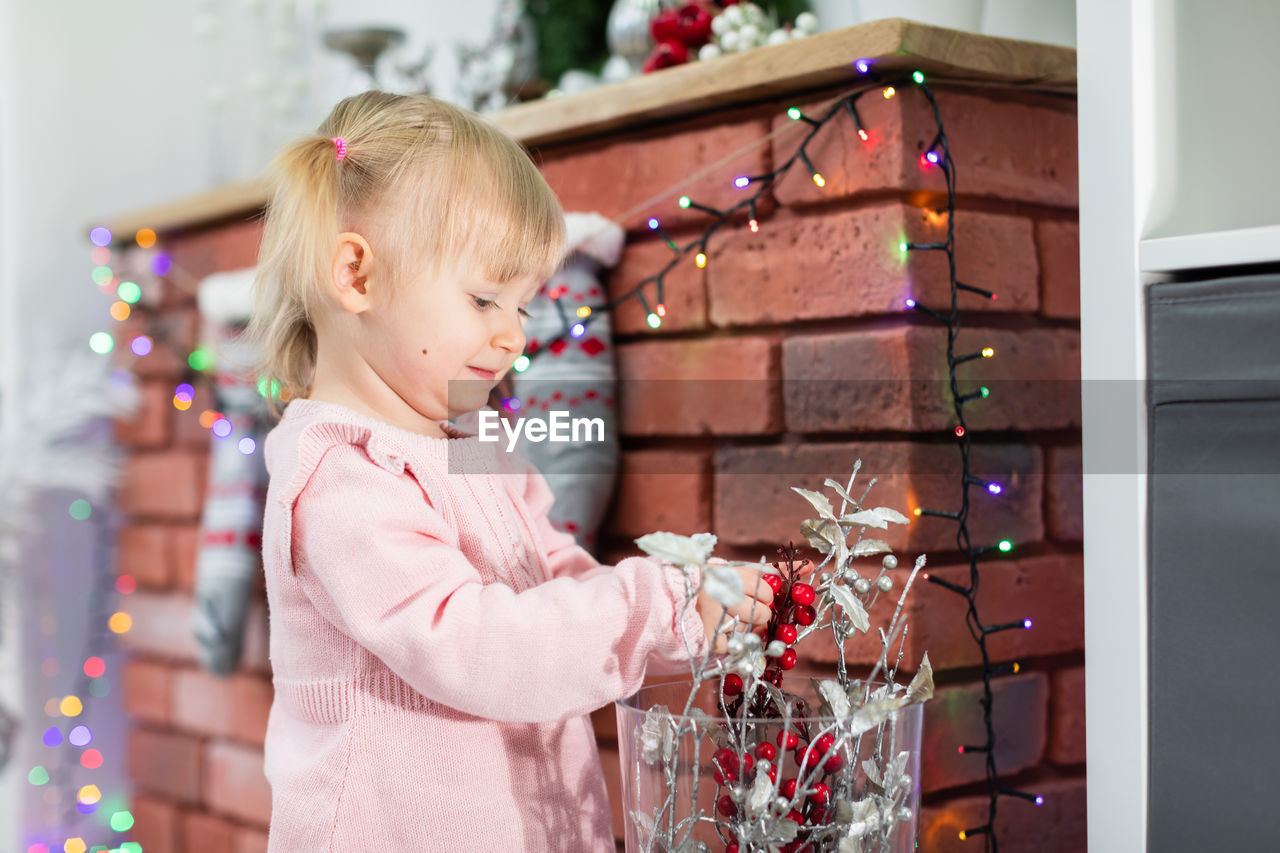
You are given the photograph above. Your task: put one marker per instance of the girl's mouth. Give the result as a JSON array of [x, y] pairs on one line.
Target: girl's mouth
[[484, 374]]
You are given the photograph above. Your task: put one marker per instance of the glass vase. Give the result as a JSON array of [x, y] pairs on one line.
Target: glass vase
[[697, 778]]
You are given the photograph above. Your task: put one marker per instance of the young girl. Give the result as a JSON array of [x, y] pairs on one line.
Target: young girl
[[436, 645]]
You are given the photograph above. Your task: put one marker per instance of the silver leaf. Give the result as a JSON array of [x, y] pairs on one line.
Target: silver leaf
[[681, 550], [723, 584], [867, 547], [921, 687], [819, 501], [760, 796], [889, 514], [852, 607], [821, 533], [839, 490], [835, 696], [865, 518]]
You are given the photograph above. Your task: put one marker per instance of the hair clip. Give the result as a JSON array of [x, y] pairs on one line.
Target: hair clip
[[342, 146]]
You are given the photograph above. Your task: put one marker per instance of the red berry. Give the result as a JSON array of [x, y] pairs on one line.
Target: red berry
[[747, 763], [726, 766], [694, 24], [665, 25], [726, 807], [666, 54], [787, 740], [824, 743], [788, 788], [732, 684], [833, 763], [774, 582], [805, 615], [788, 659], [807, 757], [802, 594], [817, 815], [786, 633], [731, 847], [766, 751], [773, 773], [821, 793], [796, 816]]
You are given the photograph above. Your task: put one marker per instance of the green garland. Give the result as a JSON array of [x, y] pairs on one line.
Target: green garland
[[571, 33]]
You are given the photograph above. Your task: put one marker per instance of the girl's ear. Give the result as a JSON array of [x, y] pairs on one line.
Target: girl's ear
[[351, 272]]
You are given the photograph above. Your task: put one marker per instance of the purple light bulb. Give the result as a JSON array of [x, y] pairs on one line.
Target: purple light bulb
[[994, 488]]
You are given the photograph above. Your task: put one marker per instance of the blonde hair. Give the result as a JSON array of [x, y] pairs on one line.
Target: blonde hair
[[433, 187]]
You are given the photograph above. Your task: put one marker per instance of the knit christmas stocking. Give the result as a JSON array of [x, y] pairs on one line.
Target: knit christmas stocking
[[230, 549]]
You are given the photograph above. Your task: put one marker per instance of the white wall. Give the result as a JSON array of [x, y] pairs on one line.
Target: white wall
[[104, 108]]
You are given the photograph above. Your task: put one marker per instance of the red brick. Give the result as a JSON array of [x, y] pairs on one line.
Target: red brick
[[162, 628], [662, 490], [721, 386], [605, 722], [144, 553], [149, 425], [683, 290], [166, 763], [754, 503], [252, 705], [953, 718], [203, 703], [897, 379], [168, 484], [223, 246], [613, 783], [185, 540], [1058, 243], [1048, 590], [1066, 717], [251, 841], [1058, 826], [235, 784], [155, 823], [1064, 493], [1021, 150], [148, 690], [206, 833], [646, 173], [847, 263]]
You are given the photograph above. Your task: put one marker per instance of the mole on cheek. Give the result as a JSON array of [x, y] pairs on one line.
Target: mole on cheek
[[424, 352]]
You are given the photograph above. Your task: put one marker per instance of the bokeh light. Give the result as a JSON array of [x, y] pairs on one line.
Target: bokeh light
[[99, 687], [141, 345], [120, 622], [38, 775], [122, 821], [74, 845], [200, 359], [247, 445], [100, 236], [160, 264], [120, 311], [91, 759], [80, 736], [80, 509], [221, 427], [101, 274], [94, 666], [52, 736], [71, 706], [129, 291], [100, 255], [146, 238], [101, 343], [125, 584]]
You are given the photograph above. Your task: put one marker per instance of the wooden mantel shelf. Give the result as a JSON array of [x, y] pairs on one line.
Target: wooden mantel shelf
[[815, 62]]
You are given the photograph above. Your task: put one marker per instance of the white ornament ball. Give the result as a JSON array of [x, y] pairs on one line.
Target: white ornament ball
[[748, 36], [709, 51], [720, 24], [778, 37], [615, 69], [885, 583], [808, 22], [751, 13], [729, 41], [862, 586], [733, 16], [889, 562], [797, 33]]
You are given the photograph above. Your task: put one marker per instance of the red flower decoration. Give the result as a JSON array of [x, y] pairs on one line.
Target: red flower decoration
[[593, 346], [666, 54]]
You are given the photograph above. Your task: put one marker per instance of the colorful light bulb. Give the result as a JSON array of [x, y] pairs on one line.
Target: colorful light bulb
[[653, 223], [988, 352], [794, 114], [584, 310], [577, 329], [685, 201], [654, 320], [889, 92], [701, 259], [521, 364], [862, 65], [918, 76], [819, 180], [741, 181]]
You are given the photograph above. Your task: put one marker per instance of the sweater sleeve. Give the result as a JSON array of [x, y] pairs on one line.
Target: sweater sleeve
[[565, 557], [382, 564]]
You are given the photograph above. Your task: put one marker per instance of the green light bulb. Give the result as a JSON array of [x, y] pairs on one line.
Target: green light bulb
[[1006, 546], [684, 201], [521, 364], [985, 391], [917, 76], [654, 320], [794, 113]]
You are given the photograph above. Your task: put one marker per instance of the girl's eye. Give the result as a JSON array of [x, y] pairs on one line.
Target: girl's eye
[[525, 314], [482, 303]]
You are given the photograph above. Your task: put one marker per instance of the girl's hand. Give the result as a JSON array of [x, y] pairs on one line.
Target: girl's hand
[[754, 611]]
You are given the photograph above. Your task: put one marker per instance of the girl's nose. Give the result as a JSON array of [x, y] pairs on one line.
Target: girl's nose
[[510, 334]]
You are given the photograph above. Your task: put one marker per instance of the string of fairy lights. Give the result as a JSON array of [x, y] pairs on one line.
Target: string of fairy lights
[[577, 320]]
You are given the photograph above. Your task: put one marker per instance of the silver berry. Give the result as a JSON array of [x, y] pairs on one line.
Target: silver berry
[[885, 583], [889, 562], [862, 586]]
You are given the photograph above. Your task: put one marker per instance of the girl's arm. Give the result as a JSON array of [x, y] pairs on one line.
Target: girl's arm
[[380, 563], [565, 557]]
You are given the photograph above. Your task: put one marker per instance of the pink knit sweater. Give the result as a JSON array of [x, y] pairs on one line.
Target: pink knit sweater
[[436, 645]]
